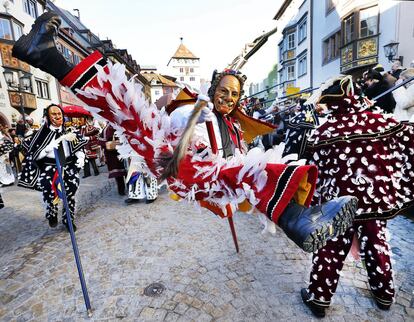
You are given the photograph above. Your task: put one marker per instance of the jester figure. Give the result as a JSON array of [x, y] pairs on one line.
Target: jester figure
[[365, 154], [40, 166], [223, 182]]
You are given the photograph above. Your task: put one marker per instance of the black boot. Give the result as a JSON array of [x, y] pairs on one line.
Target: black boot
[[53, 221], [316, 309], [94, 167], [310, 228], [65, 222], [86, 170], [38, 48]]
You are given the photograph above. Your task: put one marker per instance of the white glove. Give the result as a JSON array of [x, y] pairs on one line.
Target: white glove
[[205, 115], [80, 162], [52, 145], [68, 136]]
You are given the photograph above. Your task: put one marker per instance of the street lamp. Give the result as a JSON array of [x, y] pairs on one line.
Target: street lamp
[[391, 51], [23, 84]]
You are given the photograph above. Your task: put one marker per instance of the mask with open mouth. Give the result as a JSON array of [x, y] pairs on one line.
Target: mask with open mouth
[[227, 94]]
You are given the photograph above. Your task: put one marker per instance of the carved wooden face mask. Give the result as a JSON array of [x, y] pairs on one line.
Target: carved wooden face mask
[[55, 116], [227, 94]]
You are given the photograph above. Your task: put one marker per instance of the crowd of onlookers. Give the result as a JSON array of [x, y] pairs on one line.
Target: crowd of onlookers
[[375, 81], [99, 151], [13, 153]]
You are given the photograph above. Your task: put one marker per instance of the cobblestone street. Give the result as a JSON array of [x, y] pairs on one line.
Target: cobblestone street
[[126, 248]]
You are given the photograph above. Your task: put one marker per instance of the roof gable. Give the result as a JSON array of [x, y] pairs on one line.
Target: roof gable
[[183, 52]]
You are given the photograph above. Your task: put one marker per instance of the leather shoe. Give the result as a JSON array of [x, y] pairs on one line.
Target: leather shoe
[[316, 309], [310, 228]]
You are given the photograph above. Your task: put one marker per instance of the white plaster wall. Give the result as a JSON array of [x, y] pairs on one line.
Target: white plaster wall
[[323, 26], [174, 70], [406, 32]]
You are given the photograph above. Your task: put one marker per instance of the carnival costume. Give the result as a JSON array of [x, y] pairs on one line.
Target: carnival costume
[[91, 149], [116, 167], [6, 173], [142, 186], [371, 156], [259, 179], [39, 166]]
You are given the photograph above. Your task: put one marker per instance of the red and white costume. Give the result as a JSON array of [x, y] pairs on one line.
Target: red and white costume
[[261, 178]]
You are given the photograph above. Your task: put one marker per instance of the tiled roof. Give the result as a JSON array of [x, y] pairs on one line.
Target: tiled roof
[[159, 79], [183, 52]]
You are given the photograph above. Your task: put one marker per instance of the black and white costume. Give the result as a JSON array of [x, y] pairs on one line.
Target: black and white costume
[[141, 184], [40, 171]]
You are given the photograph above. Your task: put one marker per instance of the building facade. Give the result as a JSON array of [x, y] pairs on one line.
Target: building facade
[[294, 47], [160, 84], [354, 39], [76, 41], [16, 18], [321, 39], [185, 66]]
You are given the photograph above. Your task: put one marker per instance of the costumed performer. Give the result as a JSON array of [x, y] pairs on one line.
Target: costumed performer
[[91, 148], [39, 166], [280, 191], [365, 154], [142, 185]]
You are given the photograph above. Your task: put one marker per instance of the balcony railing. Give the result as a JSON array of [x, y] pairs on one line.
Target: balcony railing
[[359, 53]]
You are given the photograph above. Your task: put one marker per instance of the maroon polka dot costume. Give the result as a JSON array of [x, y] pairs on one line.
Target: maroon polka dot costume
[[371, 156]]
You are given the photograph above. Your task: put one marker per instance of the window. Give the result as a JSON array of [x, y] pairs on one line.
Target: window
[[181, 70], [349, 29], [281, 53], [76, 59], [329, 5], [30, 7], [16, 81], [67, 54], [42, 89], [157, 92], [291, 72], [281, 77], [368, 22], [182, 78], [302, 65], [191, 70], [331, 47], [17, 30], [302, 30], [291, 41], [192, 79], [5, 29]]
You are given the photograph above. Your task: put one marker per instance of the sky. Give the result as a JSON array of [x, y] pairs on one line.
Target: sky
[[214, 30]]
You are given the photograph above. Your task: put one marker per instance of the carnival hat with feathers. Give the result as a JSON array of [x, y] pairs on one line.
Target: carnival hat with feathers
[[333, 89]]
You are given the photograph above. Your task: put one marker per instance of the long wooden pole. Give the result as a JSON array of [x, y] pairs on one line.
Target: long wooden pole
[[214, 149]]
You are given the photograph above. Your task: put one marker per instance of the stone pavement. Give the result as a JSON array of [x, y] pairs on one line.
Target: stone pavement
[[22, 220], [124, 249]]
